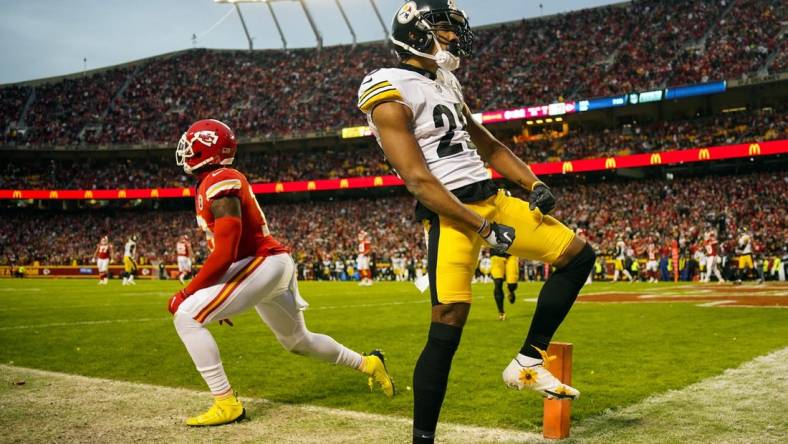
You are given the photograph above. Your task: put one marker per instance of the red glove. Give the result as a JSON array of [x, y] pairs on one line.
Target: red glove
[[175, 301]]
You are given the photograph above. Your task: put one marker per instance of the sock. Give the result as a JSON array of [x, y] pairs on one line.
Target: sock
[[512, 288], [555, 299], [430, 378], [204, 352], [498, 294]]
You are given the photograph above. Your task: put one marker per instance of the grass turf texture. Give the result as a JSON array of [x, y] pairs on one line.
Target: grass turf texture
[[623, 352]]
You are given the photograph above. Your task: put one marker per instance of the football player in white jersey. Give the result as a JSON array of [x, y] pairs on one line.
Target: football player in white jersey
[[130, 256], [419, 117]]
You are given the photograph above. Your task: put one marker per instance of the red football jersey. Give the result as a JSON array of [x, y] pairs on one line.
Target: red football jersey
[[255, 240], [364, 247], [103, 251], [182, 248], [712, 247]]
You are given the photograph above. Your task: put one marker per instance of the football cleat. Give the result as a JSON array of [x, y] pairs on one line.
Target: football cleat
[[511, 297], [501, 316], [223, 411], [537, 378], [374, 365]]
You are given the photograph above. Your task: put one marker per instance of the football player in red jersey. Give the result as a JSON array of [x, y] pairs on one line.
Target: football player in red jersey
[[103, 255], [362, 260], [183, 248], [247, 269]]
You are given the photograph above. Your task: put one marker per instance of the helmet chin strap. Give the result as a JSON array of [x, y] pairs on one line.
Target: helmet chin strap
[[444, 59]]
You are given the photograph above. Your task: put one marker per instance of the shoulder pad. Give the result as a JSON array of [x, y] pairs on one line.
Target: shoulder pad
[[223, 182], [378, 86]]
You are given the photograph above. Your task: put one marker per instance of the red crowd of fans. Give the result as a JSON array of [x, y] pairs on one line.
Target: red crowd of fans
[[274, 93], [158, 172], [665, 209]]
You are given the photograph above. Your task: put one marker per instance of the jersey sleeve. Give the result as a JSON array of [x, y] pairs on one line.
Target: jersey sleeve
[[379, 87], [223, 183]]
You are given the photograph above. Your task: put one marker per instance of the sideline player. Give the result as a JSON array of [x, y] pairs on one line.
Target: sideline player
[[744, 250], [183, 248], [420, 120], [506, 267], [103, 255], [130, 260], [247, 269], [652, 261], [362, 260], [621, 261]]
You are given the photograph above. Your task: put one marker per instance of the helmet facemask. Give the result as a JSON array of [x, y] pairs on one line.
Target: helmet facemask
[[184, 152], [434, 21]]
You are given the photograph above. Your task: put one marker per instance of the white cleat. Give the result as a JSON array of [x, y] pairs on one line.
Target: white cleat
[[534, 376]]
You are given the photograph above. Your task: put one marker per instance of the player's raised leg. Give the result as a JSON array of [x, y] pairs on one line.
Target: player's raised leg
[[546, 239]]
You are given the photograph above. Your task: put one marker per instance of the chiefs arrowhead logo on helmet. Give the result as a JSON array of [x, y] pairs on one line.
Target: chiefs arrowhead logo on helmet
[[208, 138], [206, 142]]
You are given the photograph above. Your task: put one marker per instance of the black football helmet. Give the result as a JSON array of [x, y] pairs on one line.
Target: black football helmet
[[413, 30]]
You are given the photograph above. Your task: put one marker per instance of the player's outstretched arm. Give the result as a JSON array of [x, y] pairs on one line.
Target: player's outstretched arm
[[503, 160], [402, 150], [226, 235]]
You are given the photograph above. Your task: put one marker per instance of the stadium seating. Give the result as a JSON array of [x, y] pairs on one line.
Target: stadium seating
[[281, 93], [324, 229], [157, 172]]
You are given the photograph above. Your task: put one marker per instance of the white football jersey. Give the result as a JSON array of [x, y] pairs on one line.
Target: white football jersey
[[130, 248], [438, 122]]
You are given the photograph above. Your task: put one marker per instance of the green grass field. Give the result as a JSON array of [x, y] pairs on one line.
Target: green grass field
[[623, 352]]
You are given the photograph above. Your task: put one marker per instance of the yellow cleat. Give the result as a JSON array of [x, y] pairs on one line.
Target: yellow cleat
[[223, 411], [374, 365]]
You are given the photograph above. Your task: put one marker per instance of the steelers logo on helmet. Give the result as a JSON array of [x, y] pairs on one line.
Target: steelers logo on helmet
[[407, 12], [416, 30]]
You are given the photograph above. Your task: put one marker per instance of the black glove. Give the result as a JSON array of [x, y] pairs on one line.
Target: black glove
[[541, 197], [500, 237]]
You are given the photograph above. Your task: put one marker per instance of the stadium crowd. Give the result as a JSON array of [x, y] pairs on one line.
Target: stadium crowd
[[276, 93], [337, 162], [660, 209]]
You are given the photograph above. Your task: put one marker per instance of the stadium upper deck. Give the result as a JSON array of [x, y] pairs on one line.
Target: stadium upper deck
[[272, 93]]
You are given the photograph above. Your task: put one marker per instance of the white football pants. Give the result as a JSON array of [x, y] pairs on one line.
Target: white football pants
[[270, 286]]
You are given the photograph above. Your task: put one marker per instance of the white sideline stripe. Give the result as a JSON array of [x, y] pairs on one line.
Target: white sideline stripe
[[382, 304], [488, 433], [11, 289], [111, 321], [715, 303], [68, 324]]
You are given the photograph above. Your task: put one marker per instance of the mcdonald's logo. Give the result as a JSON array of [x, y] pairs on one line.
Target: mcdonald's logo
[[755, 149], [704, 154], [610, 163], [311, 185], [279, 187], [53, 194], [655, 159], [16, 194], [154, 193], [88, 194], [378, 181], [122, 194], [344, 183], [567, 167], [186, 192]]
